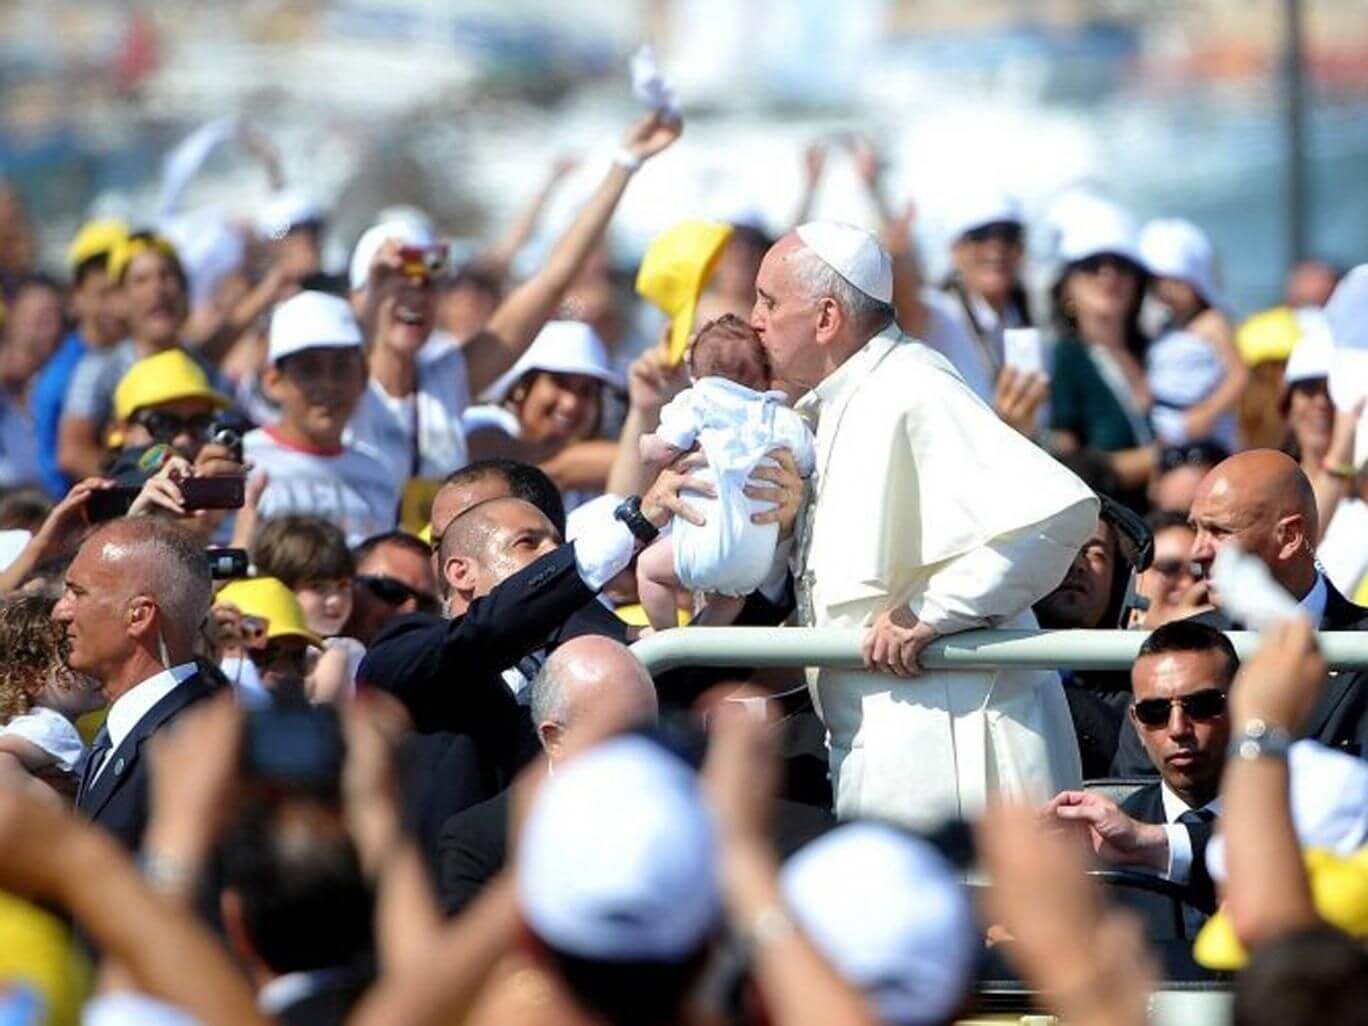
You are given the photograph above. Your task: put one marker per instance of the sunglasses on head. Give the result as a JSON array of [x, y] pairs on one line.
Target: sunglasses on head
[[999, 231], [1099, 261], [1195, 454], [164, 426], [394, 592], [1206, 704]]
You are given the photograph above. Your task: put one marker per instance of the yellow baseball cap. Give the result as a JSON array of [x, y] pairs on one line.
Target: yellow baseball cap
[[267, 598], [675, 271], [96, 238], [1339, 888], [163, 378], [125, 249], [1268, 336]]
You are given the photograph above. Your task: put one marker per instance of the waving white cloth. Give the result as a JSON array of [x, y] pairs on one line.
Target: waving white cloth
[[650, 86]]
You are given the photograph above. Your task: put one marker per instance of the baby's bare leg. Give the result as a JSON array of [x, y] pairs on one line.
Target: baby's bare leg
[[656, 583]]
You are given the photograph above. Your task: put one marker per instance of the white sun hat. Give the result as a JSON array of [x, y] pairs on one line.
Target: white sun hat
[[287, 210], [978, 208], [1174, 248], [886, 909], [616, 862], [1314, 352], [1092, 226], [561, 347], [312, 320], [854, 254], [408, 230]]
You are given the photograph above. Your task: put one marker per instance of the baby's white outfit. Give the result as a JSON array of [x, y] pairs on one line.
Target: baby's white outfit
[[735, 427], [1183, 369], [50, 731]]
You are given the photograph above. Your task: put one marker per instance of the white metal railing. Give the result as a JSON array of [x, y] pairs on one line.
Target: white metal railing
[[984, 649]]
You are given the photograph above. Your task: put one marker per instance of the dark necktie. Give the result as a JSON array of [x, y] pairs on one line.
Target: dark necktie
[[1193, 918], [99, 751]]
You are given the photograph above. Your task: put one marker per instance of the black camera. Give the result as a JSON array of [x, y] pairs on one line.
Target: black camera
[[227, 430]]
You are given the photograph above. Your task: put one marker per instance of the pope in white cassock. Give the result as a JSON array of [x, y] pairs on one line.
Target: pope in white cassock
[[927, 515]]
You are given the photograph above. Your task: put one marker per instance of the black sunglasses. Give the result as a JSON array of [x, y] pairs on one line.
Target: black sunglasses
[[395, 592], [1098, 261], [998, 231], [1202, 705], [1194, 454], [164, 426]]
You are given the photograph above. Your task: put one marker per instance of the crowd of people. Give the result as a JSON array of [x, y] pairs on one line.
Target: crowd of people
[[317, 592]]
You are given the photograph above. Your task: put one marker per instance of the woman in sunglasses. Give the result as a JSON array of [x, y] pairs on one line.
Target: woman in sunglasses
[[1099, 397]]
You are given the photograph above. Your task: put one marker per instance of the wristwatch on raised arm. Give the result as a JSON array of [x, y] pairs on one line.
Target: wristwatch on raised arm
[[629, 512], [1259, 740]]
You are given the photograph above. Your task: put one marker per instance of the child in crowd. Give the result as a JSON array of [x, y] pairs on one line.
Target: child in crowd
[[40, 698], [1194, 371], [310, 556], [317, 373], [733, 417]]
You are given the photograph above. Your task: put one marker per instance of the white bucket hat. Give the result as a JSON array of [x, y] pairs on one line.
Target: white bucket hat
[[980, 208], [1174, 248], [561, 347], [886, 909], [1091, 226], [616, 862], [287, 210]]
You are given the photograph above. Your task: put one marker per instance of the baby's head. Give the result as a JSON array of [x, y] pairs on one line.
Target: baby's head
[[728, 348], [32, 644]]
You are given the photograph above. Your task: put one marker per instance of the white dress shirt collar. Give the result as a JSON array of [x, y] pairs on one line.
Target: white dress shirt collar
[[1314, 600], [1174, 806], [860, 363], [135, 703]]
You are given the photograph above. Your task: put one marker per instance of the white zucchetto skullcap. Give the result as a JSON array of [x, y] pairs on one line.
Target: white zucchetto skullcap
[[854, 254]]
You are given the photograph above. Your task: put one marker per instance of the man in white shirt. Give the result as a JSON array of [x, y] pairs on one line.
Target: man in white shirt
[[421, 380], [1180, 681], [132, 604], [317, 374], [929, 516]]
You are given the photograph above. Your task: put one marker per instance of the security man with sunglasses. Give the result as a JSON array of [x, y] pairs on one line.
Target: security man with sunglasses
[[1180, 682]]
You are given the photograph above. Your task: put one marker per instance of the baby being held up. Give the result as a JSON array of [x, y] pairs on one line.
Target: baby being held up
[[734, 418]]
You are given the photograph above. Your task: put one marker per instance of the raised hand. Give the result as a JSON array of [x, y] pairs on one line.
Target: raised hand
[[652, 134]]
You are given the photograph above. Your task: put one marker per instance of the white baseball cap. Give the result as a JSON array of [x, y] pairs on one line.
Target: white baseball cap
[[1174, 248], [408, 230], [616, 862], [287, 210], [312, 320], [1328, 793], [854, 254], [886, 909], [1091, 226], [561, 347], [979, 208]]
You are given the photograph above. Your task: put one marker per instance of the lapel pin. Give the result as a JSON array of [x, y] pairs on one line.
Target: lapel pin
[[118, 766]]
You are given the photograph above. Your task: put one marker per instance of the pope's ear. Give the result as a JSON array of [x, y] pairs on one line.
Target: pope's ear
[[831, 320]]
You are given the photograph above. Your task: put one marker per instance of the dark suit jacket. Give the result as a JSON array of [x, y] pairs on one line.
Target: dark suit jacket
[[118, 800], [328, 1006], [1147, 806], [474, 844], [1339, 719]]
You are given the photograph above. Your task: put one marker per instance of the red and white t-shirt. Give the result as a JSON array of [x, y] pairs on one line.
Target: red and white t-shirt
[[348, 486]]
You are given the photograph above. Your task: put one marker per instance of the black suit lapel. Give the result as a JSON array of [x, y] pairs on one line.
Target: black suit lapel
[[1341, 614], [120, 763]]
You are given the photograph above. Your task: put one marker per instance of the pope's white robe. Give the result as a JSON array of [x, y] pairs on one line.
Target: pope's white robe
[[923, 497]]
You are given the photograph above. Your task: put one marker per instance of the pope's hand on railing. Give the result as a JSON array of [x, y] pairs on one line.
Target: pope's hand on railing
[[895, 642]]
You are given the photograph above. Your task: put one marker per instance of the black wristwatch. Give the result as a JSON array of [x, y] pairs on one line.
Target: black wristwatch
[[629, 512]]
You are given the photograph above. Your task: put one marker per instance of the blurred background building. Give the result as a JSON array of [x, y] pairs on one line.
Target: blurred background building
[[1171, 106]]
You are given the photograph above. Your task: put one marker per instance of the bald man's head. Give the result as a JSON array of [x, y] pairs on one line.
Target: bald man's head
[[1262, 501], [590, 676], [487, 544]]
